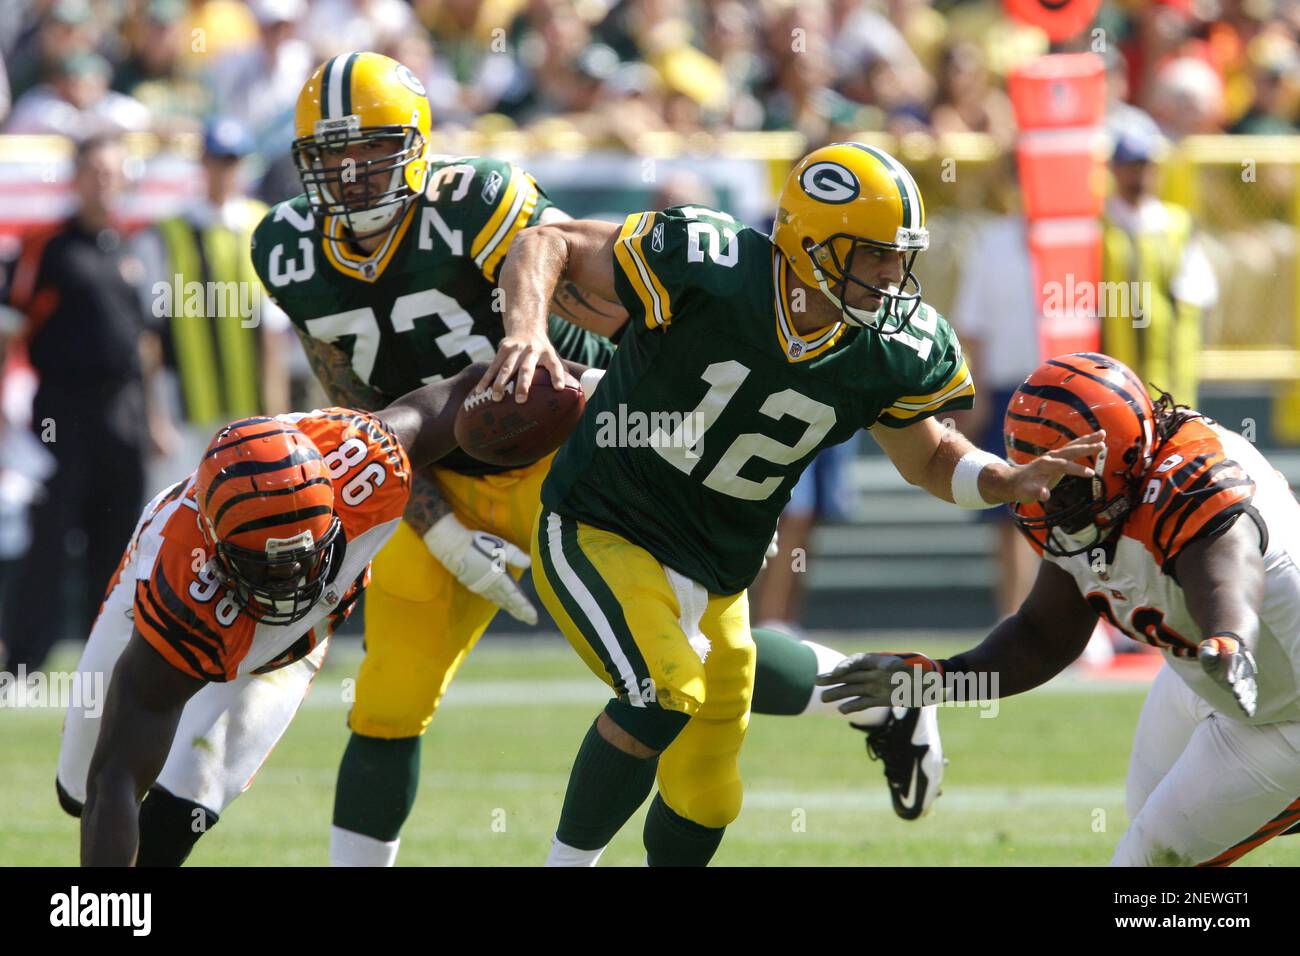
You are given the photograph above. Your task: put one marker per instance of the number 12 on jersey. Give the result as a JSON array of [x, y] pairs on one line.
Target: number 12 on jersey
[[681, 447]]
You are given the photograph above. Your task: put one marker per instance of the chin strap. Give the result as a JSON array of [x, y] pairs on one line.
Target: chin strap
[[860, 317], [852, 316], [393, 211]]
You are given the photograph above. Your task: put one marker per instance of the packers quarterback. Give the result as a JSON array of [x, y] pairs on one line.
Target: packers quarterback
[[770, 349], [387, 265]]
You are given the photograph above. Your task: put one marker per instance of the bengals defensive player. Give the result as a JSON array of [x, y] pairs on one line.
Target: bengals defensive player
[[1186, 539], [215, 622]]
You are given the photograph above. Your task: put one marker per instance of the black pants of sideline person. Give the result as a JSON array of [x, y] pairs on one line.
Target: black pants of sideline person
[[98, 487]]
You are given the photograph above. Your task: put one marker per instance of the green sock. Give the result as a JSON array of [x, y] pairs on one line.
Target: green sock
[[606, 786], [672, 840], [784, 671], [376, 786]]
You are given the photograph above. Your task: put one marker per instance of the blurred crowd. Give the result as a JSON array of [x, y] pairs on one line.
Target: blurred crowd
[[156, 384], [614, 70]]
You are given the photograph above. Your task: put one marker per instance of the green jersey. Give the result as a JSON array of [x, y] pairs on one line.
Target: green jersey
[[714, 404], [425, 304]]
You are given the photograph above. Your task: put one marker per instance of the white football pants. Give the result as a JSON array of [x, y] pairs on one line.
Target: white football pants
[[1202, 787], [226, 731]]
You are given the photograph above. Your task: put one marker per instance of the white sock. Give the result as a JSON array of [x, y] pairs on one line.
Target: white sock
[[564, 855], [348, 848], [827, 659]]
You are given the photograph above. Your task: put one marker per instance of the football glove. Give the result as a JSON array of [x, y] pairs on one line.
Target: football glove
[[481, 562], [1232, 666], [871, 680]]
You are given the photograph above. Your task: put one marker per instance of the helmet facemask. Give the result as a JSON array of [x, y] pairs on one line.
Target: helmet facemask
[[1078, 516], [281, 585], [834, 277], [388, 184]]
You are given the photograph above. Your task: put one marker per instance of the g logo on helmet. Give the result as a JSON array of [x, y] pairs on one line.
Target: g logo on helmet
[[830, 182], [409, 80]]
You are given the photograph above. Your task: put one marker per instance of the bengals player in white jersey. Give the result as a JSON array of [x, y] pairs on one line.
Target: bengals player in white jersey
[[1187, 539], [216, 619]]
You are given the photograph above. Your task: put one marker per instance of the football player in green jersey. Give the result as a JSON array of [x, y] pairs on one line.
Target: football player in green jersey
[[387, 266], [745, 356]]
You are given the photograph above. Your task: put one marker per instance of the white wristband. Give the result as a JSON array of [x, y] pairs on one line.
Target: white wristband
[[966, 479], [447, 540]]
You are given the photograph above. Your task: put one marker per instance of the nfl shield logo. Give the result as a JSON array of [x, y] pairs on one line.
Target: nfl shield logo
[[796, 348], [657, 238], [368, 270]]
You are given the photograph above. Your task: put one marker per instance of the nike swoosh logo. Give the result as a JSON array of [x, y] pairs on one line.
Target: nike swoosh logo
[[910, 796]]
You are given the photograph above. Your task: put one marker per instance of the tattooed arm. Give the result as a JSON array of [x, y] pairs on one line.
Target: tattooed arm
[[334, 371], [586, 310], [478, 560], [426, 505], [574, 304]]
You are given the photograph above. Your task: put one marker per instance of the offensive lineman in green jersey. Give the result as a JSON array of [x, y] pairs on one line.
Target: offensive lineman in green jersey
[[752, 354], [387, 267]]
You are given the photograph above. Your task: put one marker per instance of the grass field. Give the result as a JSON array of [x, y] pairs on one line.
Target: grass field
[[1041, 783]]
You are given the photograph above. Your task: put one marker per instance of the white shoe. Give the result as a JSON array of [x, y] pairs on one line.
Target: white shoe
[[908, 743]]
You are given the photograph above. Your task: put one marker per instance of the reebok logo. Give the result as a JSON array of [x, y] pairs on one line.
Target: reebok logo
[[657, 238]]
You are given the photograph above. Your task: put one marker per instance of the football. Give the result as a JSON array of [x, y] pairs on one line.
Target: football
[[514, 433]]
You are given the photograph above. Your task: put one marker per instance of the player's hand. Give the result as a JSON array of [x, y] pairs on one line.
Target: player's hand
[[482, 563], [875, 680], [1232, 666], [516, 359], [1035, 480]]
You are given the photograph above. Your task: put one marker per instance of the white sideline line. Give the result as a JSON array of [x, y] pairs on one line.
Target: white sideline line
[[870, 796], [965, 799], [328, 694]]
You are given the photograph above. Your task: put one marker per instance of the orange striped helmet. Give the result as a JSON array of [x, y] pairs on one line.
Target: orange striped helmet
[[1063, 399], [266, 510]]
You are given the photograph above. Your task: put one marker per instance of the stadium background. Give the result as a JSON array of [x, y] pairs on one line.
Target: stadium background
[[606, 103]]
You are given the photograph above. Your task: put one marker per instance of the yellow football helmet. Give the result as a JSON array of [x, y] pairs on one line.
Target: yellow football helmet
[[362, 98], [838, 198]]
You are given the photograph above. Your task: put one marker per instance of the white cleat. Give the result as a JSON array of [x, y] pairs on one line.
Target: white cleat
[[908, 743]]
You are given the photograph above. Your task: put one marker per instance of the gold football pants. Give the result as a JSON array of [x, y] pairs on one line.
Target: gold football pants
[[420, 621], [660, 641]]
